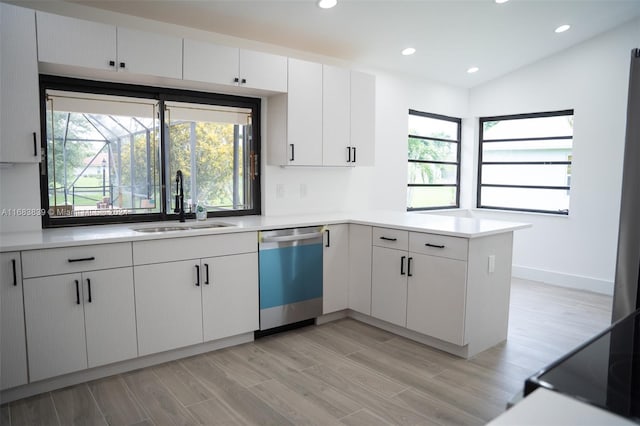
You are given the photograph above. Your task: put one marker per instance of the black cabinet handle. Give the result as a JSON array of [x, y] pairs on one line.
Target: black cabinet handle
[[244, 81], [328, 232], [82, 259], [35, 145], [236, 80], [77, 292], [197, 275], [409, 267], [293, 152], [112, 63], [349, 154], [434, 245], [15, 277], [354, 154], [206, 273], [388, 239], [402, 264], [89, 288], [122, 65]]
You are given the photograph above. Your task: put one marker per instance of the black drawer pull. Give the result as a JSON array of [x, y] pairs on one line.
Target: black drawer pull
[[77, 292], [328, 237], [82, 259], [35, 145], [15, 277], [197, 275], [388, 239], [409, 267], [89, 288], [402, 264], [293, 152], [349, 153], [434, 245], [206, 273], [354, 154]]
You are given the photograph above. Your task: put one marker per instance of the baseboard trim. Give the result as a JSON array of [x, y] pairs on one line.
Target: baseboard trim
[[564, 280]]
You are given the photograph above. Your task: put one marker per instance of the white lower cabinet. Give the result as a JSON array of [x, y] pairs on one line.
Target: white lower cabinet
[[389, 285], [168, 306], [13, 357], [436, 297], [335, 269], [230, 296], [186, 302], [360, 268], [75, 321]]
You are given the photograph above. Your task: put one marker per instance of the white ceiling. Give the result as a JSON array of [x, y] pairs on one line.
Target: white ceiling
[[450, 35]]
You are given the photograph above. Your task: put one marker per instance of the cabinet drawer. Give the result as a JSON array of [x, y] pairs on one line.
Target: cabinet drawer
[[38, 263], [391, 238], [174, 249], [439, 245]]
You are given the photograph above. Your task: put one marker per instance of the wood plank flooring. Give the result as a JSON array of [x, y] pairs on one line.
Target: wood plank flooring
[[341, 373]]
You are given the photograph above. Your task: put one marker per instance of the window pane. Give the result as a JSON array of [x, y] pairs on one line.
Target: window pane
[[420, 149], [432, 173], [432, 127], [101, 160], [426, 197], [211, 146], [552, 200], [546, 150], [536, 175], [518, 128]]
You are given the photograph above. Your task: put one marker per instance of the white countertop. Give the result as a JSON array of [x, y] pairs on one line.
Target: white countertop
[[82, 235], [548, 408]]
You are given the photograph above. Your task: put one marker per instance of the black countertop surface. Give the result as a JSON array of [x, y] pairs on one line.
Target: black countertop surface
[[605, 371]]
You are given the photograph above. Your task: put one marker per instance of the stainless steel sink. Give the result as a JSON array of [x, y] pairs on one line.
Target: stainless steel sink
[[172, 228]]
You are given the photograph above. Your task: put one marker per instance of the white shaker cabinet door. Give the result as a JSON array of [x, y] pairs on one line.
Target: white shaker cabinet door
[[335, 269], [229, 295], [436, 297], [336, 147], [363, 118], [19, 98], [210, 62], [168, 306], [146, 53], [259, 70], [13, 371], [55, 325], [110, 317], [389, 285], [76, 42]]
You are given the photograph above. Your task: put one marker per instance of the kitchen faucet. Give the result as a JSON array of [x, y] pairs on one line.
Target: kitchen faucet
[[179, 195]]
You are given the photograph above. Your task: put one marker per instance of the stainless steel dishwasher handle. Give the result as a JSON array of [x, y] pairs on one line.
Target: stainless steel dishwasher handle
[[287, 238]]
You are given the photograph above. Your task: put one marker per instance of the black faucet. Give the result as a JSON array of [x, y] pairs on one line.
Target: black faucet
[[179, 195]]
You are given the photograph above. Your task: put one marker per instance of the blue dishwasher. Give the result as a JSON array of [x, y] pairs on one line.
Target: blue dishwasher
[[290, 276]]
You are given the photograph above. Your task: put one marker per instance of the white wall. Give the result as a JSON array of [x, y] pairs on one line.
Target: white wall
[[591, 78], [19, 189]]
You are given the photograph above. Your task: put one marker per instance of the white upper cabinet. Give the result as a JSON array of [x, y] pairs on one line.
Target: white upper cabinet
[[210, 63], [363, 118], [336, 149], [76, 42], [213, 63], [295, 119], [146, 53], [265, 71], [19, 106]]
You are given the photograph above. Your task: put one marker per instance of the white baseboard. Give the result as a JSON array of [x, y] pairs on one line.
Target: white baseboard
[[564, 280]]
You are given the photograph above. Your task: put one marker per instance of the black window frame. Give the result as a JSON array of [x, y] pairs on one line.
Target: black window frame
[[481, 141], [457, 163], [160, 94]]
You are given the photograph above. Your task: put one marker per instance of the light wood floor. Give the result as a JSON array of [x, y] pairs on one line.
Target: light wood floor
[[342, 373]]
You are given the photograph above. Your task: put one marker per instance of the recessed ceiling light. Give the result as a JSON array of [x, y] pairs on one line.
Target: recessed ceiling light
[[327, 4], [501, 1], [408, 51], [563, 28], [473, 70]]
